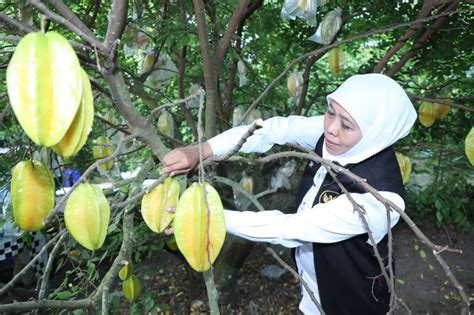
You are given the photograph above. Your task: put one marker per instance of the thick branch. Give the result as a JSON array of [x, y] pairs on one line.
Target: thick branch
[[424, 12], [423, 39], [18, 24], [234, 22], [117, 20]]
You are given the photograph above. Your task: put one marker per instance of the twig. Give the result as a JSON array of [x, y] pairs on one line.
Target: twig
[[297, 276]]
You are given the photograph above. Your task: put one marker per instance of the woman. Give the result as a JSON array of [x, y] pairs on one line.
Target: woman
[[334, 256]]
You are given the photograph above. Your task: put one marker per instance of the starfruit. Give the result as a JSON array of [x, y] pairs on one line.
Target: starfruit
[[405, 166], [199, 225], [126, 271], [131, 288], [336, 60], [441, 110], [87, 216], [32, 194], [426, 113], [103, 149], [80, 128], [44, 86], [155, 203], [166, 124], [294, 83], [469, 146]]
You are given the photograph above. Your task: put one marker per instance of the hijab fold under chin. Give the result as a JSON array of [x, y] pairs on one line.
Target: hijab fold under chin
[[382, 110]]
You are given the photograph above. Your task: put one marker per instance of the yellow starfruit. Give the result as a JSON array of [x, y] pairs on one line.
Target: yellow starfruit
[[155, 203], [336, 60], [32, 195], [426, 113], [405, 166], [199, 225], [87, 216], [80, 128], [469, 146], [103, 149], [44, 86]]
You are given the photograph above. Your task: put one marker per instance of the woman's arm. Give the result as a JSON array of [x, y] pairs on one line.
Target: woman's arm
[[329, 222]]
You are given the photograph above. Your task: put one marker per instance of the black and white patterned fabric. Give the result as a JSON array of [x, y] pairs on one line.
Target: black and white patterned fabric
[[11, 246]]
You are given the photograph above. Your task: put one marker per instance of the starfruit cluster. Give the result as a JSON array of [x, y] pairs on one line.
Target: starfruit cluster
[[50, 93], [87, 216], [405, 166], [156, 202], [429, 112], [131, 286], [32, 195], [199, 225]]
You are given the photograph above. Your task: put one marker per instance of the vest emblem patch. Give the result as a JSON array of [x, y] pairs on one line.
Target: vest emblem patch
[[327, 195]]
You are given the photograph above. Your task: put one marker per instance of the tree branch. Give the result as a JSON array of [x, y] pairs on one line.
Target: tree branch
[[117, 21]]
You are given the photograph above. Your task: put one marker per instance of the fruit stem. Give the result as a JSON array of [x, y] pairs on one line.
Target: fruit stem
[[43, 23]]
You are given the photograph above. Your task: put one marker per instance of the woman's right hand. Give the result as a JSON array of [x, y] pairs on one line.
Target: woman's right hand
[[183, 160]]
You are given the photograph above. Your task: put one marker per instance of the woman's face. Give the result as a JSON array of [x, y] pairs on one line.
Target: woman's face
[[341, 132]]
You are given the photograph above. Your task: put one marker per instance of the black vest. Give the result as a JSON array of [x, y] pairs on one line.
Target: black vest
[[349, 277]]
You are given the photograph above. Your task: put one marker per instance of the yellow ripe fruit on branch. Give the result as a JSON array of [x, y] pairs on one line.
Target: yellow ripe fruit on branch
[[131, 288], [155, 203], [87, 216], [469, 146], [405, 166], [336, 60], [294, 83], [32, 195], [441, 110], [426, 113], [44, 86], [80, 128], [103, 149], [199, 230]]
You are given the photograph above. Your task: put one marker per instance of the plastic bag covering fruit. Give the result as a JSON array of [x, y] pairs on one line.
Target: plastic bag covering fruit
[[126, 271], [166, 124], [44, 86], [303, 9], [199, 230], [426, 114], [469, 146], [80, 128], [328, 28], [441, 110], [103, 149], [294, 83], [131, 288], [87, 216], [32, 194], [155, 203], [237, 115], [336, 60], [405, 166], [253, 115]]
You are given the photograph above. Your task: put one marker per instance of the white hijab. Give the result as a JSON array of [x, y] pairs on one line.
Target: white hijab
[[382, 110]]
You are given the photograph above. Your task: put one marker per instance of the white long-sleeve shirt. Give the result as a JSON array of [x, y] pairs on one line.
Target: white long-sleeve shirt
[[328, 222]]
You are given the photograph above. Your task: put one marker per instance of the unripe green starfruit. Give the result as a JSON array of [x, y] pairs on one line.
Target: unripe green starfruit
[[131, 288], [469, 146], [80, 128], [156, 202], [426, 113], [44, 86], [87, 216], [103, 149], [199, 225], [405, 166], [32, 195], [336, 60], [166, 124], [126, 271]]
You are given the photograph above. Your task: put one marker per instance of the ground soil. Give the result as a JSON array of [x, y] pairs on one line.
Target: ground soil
[[421, 282]]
